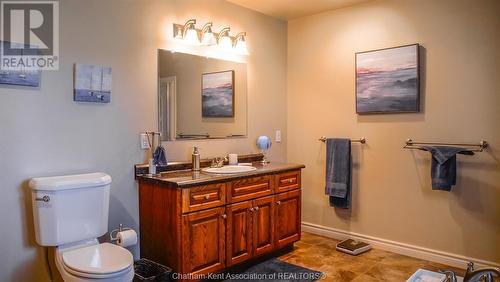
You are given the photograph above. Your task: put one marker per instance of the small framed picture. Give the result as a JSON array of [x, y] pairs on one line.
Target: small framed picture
[[28, 76], [92, 83], [387, 80], [218, 94]]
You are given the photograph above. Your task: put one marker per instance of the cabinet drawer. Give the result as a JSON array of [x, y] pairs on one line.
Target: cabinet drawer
[[287, 181], [250, 188], [203, 197]]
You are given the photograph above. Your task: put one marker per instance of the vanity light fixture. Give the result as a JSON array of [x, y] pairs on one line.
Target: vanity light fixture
[[207, 36], [189, 33], [240, 44], [224, 41]]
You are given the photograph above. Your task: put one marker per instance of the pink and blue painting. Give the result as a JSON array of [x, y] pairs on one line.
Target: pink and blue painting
[[387, 80], [218, 94], [92, 83]]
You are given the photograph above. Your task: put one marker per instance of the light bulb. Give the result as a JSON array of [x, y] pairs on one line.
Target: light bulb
[[225, 43], [208, 39], [207, 36], [191, 37], [241, 47]]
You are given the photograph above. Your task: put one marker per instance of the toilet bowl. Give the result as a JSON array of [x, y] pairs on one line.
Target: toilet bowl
[[94, 262]]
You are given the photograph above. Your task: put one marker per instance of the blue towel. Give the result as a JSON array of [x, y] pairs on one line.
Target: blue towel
[[444, 165], [159, 156], [338, 172]]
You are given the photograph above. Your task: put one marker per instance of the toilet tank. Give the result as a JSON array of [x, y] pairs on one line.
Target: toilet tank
[[71, 208]]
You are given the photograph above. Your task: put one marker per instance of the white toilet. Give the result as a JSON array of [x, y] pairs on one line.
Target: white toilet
[[70, 212]]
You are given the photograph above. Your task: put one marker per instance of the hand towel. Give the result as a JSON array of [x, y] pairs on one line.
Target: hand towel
[[159, 156], [444, 165], [338, 171]]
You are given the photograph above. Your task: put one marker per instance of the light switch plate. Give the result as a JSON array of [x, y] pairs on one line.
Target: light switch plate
[[144, 141], [278, 136]]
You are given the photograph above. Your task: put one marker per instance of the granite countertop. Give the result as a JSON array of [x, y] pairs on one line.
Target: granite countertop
[[189, 178]]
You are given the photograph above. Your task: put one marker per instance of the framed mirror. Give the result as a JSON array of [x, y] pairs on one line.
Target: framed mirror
[[200, 97]]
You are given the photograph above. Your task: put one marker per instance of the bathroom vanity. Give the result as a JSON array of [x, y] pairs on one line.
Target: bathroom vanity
[[198, 223]]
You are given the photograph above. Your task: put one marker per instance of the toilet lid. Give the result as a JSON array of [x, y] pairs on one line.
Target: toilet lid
[[103, 258]]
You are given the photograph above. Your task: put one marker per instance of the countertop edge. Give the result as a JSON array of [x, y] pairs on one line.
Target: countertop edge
[[216, 178]]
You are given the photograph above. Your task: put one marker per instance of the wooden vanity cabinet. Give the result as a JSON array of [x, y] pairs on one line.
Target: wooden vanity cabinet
[[207, 228]]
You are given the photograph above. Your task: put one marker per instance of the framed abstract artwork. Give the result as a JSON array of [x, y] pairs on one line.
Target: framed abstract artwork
[[217, 91], [387, 80]]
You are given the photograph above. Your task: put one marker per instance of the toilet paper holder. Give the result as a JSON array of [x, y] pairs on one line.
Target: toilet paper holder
[[115, 238]]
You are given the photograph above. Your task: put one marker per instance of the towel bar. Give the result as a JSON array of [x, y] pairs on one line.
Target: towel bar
[[410, 144], [361, 140]]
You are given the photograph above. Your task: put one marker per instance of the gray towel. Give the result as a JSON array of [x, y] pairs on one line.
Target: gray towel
[[338, 171], [159, 156], [444, 165]]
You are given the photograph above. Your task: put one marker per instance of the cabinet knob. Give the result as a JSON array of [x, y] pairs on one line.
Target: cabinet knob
[[251, 209], [290, 180], [257, 208], [207, 197], [278, 202], [224, 216]]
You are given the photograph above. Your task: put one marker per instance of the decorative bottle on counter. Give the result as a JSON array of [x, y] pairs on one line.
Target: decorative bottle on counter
[[195, 158]]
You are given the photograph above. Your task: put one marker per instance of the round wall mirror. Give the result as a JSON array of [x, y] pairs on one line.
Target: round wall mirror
[[264, 143]]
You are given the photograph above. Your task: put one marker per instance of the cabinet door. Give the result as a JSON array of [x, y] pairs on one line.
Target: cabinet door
[[263, 225], [287, 218], [239, 232], [203, 245]]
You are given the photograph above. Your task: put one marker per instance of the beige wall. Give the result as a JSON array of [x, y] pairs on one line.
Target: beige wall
[[392, 197], [43, 132]]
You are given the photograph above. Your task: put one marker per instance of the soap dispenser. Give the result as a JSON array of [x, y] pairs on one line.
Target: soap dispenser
[[195, 159]]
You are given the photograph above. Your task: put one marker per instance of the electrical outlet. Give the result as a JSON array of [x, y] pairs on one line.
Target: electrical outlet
[[144, 141], [278, 136]]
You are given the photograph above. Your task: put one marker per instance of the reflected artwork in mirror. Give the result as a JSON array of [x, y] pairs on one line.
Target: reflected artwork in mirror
[[200, 97], [218, 94]]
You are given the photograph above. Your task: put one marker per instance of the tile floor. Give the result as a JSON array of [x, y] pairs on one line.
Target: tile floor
[[318, 253]]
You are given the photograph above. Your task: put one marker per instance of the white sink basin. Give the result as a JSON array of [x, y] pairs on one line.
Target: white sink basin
[[228, 169]]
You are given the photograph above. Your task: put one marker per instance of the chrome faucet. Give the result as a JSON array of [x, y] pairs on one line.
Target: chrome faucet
[[472, 275], [219, 161], [476, 275]]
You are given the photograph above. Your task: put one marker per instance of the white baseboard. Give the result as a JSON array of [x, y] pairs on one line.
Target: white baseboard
[[398, 247]]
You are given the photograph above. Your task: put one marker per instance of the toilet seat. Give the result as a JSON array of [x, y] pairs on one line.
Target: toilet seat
[[97, 261]]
